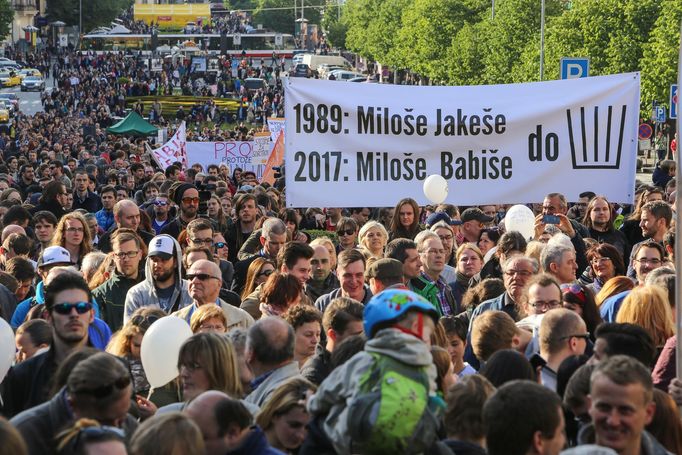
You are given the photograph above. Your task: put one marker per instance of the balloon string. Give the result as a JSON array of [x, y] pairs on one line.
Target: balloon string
[[149, 395]]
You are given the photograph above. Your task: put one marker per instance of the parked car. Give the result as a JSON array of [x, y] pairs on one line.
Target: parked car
[[28, 72], [254, 83], [32, 83], [343, 75]]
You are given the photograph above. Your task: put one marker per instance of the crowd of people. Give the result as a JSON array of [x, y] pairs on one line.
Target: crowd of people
[[400, 329]]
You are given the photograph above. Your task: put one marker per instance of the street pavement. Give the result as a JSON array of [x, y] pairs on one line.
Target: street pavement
[[29, 102]]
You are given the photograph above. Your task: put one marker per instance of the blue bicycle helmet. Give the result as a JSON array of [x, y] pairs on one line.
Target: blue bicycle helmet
[[390, 305]]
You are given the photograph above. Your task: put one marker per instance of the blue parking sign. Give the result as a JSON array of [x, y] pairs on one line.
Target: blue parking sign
[[673, 101], [660, 114], [575, 67]]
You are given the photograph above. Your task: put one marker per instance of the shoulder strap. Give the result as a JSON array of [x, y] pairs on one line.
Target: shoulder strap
[[176, 304]]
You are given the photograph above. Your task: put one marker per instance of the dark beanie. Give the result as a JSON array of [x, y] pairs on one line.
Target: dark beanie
[[180, 190]]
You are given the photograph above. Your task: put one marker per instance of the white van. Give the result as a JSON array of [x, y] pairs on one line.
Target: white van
[[314, 60]]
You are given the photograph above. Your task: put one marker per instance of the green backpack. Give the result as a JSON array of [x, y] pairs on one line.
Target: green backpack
[[393, 411]]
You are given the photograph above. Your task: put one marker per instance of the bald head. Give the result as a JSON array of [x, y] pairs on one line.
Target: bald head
[[12, 229], [269, 344], [203, 410], [127, 214]]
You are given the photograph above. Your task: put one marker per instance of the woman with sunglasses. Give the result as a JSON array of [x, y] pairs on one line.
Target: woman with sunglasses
[[606, 262], [579, 298], [127, 342], [347, 232], [257, 274], [72, 233]]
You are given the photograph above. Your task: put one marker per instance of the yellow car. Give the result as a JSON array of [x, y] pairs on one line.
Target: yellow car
[[29, 72], [4, 115], [9, 79]]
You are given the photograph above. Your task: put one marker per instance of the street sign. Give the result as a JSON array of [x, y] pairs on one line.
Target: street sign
[[237, 39], [673, 100], [278, 39], [660, 114], [575, 67], [645, 131]]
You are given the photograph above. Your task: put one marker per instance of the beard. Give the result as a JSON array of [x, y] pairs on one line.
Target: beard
[[163, 276]]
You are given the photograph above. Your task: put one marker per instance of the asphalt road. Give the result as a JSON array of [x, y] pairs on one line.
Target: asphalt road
[[29, 102]]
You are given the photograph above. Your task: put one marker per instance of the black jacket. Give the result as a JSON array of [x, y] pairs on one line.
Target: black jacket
[[91, 203], [104, 243], [28, 383]]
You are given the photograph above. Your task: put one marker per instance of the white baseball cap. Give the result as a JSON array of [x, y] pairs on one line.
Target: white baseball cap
[[162, 246], [53, 255]]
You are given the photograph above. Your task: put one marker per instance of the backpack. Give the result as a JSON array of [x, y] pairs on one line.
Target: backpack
[[393, 411]]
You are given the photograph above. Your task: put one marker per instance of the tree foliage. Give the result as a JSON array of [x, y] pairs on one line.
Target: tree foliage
[[95, 12], [458, 42], [283, 20], [6, 17]]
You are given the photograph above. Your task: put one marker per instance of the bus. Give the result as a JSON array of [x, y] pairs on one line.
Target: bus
[[252, 45]]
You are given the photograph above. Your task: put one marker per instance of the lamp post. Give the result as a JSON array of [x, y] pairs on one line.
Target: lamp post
[[542, 40]]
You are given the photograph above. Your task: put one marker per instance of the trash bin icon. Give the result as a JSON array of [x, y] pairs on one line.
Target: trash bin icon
[[596, 141]]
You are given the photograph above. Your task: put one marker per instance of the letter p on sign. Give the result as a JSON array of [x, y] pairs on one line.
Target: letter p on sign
[[574, 67]]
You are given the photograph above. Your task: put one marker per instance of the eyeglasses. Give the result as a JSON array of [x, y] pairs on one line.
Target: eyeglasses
[[207, 241], [96, 433], [548, 305], [190, 200], [575, 289], [265, 272], [220, 245], [201, 276], [105, 391], [434, 251], [159, 203], [649, 261], [600, 261], [66, 308], [126, 254], [73, 230], [346, 232], [143, 321], [521, 273], [584, 336]]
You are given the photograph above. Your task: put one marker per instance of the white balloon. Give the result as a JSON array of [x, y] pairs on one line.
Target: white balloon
[[435, 188], [520, 218], [7, 348], [161, 347]]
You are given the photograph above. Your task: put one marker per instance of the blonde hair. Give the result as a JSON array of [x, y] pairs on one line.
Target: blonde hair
[[291, 394], [648, 307], [614, 286], [119, 345], [203, 314], [217, 357], [173, 433], [468, 246], [364, 230], [60, 231], [103, 272]]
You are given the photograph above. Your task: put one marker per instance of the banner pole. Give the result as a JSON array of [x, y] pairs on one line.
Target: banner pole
[[678, 233]]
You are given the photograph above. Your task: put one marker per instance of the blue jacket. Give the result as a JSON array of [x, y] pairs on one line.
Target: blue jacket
[[105, 219], [609, 309], [255, 444]]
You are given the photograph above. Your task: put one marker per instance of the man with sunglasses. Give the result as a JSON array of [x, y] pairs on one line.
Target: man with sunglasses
[[160, 209], [111, 294], [204, 287], [70, 312], [562, 334], [186, 197]]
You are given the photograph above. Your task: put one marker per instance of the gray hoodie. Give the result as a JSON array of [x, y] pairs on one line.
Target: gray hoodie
[[144, 294]]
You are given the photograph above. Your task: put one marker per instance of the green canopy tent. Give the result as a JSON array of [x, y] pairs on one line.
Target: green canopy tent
[[133, 125]]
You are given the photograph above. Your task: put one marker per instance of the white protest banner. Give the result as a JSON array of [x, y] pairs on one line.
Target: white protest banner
[[275, 125], [261, 148], [371, 145], [236, 154], [173, 150]]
